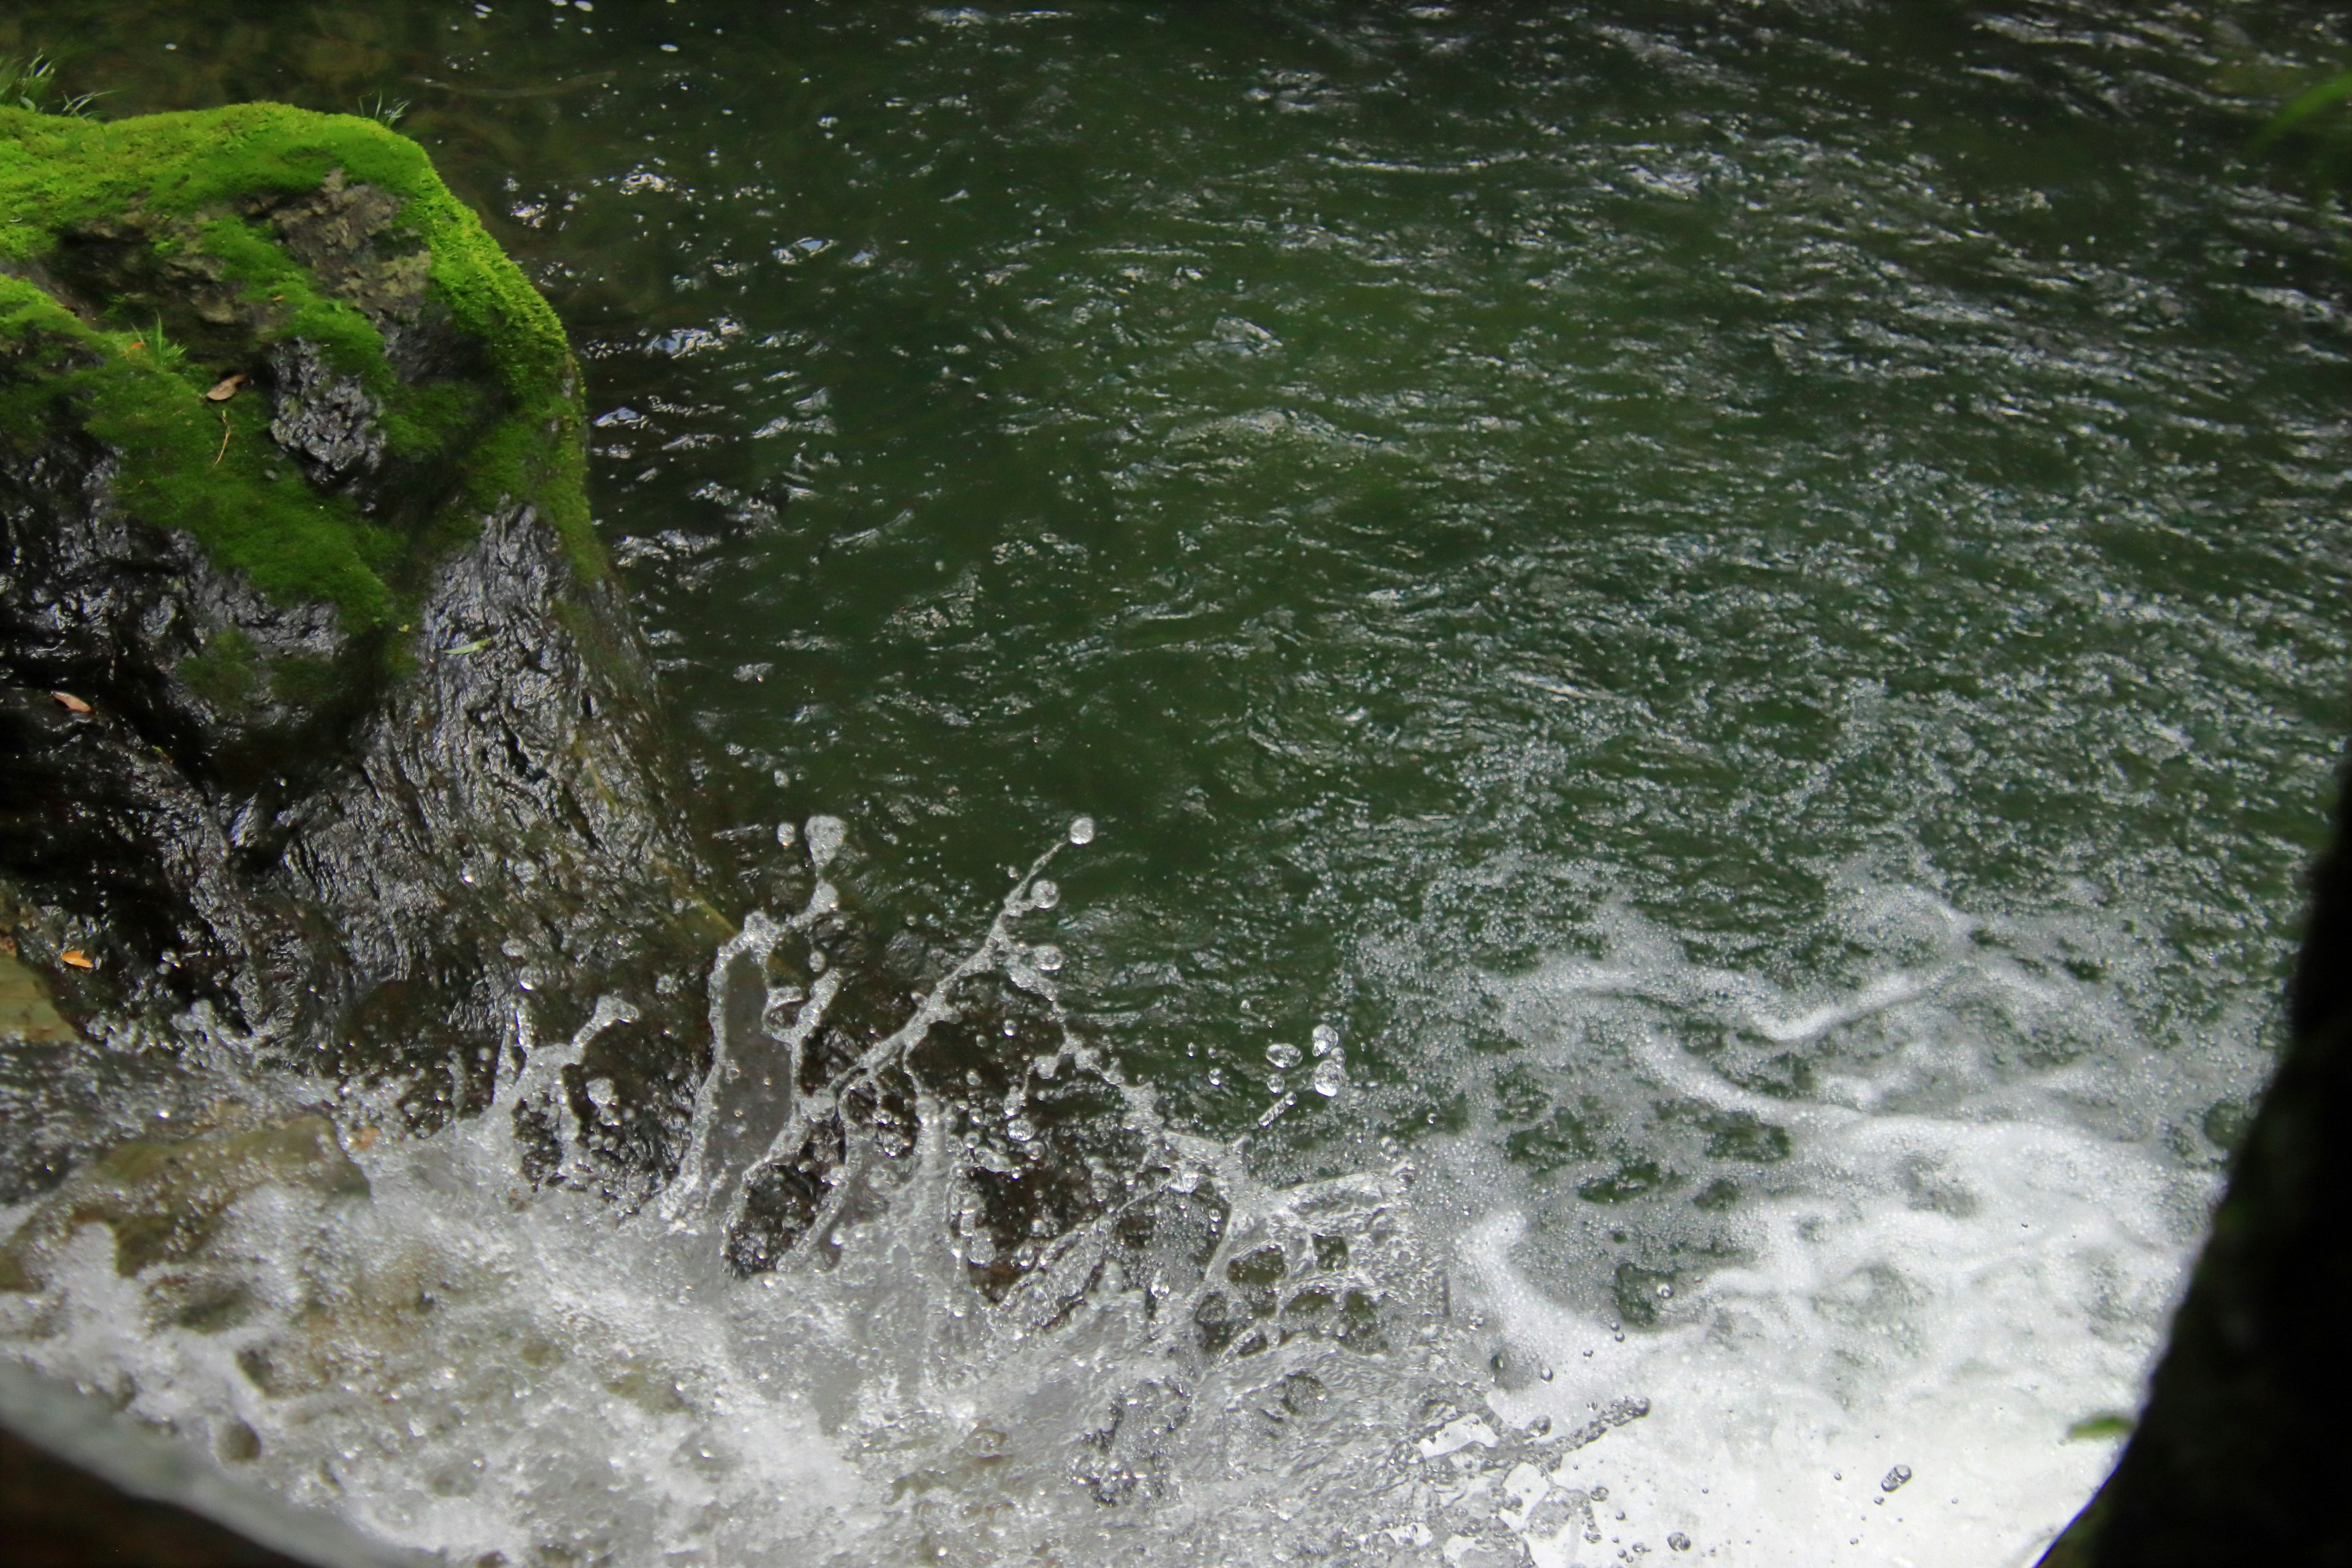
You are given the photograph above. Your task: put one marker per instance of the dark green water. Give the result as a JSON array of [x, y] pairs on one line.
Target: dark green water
[[1761, 501]]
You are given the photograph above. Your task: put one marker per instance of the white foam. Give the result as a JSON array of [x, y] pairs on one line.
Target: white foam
[[464, 1363], [1950, 1288]]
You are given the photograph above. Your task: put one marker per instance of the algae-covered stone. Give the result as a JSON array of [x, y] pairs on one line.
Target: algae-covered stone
[[359, 754]]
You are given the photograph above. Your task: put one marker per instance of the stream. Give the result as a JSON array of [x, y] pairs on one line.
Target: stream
[[1654, 677]]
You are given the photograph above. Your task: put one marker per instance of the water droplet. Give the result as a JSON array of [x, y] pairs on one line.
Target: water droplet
[[1679, 1541], [1274, 1083], [1021, 1130], [1082, 830], [1216, 1077], [1665, 1292], [1282, 1054], [1325, 1037], [1046, 957], [1895, 1477], [1330, 1076], [1043, 895], [787, 835], [825, 836], [982, 1251], [1547, 1378]]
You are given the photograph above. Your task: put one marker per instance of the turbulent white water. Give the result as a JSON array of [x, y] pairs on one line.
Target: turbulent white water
[[1879, 1360]]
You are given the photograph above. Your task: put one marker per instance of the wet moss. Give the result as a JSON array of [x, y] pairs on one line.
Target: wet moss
[[249, 227], [224, 672]]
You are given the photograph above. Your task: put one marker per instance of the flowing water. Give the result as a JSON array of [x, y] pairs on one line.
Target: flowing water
[[1699, 644]]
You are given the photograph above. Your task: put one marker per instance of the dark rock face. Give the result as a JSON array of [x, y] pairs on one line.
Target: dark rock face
[[2238, 1457], [328, 874], [326, 421]]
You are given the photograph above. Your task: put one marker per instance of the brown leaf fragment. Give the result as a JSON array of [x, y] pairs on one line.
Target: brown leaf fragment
[[225, 388], [69, 702], [78, 958]]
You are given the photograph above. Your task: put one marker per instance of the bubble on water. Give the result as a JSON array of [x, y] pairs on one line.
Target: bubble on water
[[1021, 1130], [1326, 1038], [1046, 957], [1043, 894], [1895, 1477], [1330, 1076], [1082, 830], [1679, 1541], [1282, 1054], [787, 835]]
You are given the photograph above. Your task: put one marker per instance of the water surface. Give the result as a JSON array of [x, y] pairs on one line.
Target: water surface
[[1744, 600]]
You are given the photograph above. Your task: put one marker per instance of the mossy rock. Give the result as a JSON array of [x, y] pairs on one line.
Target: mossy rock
[[324, 731], [401, 376]]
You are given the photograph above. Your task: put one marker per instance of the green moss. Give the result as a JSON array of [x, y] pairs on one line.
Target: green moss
[[194, 181], [302, 681], [224, 671], [346, 338], [209, 468], [427, 421]]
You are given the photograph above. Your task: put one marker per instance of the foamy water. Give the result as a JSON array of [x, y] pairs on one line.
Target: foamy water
[[1879, 1357]]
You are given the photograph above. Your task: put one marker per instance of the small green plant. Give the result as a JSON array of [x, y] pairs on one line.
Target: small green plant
[[387, 113], [32, 84], [2302, 111]]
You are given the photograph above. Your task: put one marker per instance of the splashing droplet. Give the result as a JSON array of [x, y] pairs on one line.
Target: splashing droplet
[[1282, 1054], [825, 836], [1330, 1076], [1046, 957], [1043, 895], [787, 835], [1082, 830], [1325, 1039]]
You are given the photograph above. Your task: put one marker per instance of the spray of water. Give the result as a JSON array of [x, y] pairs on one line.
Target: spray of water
[[1880, 1361]]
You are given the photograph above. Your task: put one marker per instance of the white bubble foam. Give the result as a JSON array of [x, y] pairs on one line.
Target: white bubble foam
[[1953, 1269]]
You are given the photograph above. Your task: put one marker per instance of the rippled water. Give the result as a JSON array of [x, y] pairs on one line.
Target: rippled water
[[1744, 600]]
